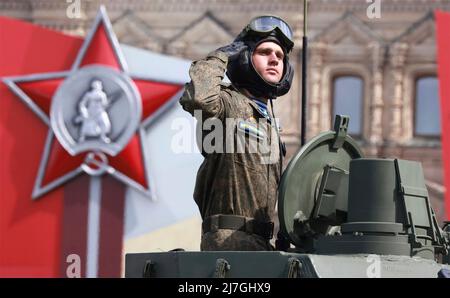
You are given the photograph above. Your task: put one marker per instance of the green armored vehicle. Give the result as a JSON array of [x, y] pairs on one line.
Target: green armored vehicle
[[341, 215]]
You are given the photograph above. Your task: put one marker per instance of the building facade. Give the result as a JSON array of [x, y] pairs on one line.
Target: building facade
[[374, 60]]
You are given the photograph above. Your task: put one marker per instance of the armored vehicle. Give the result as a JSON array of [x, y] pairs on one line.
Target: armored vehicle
[[340, 214]]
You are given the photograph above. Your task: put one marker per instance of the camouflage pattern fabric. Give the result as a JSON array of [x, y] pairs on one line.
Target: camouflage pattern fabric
[[232, 240], [232, 183]]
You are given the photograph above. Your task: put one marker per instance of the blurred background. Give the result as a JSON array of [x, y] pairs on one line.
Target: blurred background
[[375, 64], [381, 71]]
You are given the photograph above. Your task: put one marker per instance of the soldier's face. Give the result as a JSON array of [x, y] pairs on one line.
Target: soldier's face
[[268, 61]]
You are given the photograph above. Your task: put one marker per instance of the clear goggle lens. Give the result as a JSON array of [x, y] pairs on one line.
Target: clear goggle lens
[[268, 23]]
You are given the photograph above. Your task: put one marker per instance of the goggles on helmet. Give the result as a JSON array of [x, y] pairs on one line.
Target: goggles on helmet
[[264, 25]]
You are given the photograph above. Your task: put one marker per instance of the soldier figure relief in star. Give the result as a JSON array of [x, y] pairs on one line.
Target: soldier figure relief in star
[[93, 118]]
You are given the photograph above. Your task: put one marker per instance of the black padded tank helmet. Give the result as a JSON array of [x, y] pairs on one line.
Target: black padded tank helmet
[[240, 69]]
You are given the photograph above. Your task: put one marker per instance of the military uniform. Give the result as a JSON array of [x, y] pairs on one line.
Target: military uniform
[[244, 184]]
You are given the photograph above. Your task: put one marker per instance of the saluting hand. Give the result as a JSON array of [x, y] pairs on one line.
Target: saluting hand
[[233, 48]]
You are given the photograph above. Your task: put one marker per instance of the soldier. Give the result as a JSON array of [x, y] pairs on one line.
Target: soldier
[[236, 192], [93, 117]]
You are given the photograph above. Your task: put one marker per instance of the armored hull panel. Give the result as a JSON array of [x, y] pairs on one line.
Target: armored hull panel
[[276, 265]]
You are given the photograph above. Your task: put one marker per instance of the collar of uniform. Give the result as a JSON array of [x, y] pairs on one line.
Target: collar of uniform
[[253, 104], [258, 109], [262, 109], [260, 112]]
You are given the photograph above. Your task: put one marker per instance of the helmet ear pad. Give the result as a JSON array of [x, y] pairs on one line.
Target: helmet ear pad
[[286, 81], [242, 73]]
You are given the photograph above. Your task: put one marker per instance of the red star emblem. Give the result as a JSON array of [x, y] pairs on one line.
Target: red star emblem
[[57, 166]]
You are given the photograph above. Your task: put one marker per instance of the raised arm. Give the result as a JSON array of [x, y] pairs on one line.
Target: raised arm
[[203, 91]]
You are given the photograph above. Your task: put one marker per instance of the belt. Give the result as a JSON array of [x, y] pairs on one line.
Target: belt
[[239, 223]]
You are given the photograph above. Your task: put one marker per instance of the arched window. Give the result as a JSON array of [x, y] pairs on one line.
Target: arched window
[[427, 120], [348, 100]]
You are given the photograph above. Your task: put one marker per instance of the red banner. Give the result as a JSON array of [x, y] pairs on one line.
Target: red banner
[[30, 231], [443, 49]]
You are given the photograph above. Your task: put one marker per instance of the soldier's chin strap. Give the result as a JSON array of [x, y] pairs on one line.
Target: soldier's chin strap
[[281, 145], [281, 243]]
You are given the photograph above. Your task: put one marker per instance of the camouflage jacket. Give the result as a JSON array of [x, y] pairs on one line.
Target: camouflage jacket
[[239, 182]]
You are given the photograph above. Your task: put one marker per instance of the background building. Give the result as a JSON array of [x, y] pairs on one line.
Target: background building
[[381, 70]]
